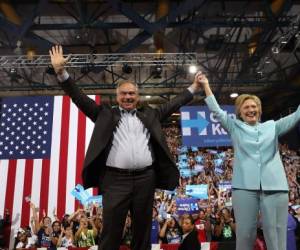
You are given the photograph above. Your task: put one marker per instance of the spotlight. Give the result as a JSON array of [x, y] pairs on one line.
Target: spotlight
[[275, 50], [157, 70], [126, 69], [192, 69], [234, 95], [283, 40]]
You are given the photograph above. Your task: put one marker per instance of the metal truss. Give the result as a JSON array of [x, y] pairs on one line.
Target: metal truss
[[102, 60]]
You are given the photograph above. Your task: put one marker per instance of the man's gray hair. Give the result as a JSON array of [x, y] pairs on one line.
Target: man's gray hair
[[119, 84]]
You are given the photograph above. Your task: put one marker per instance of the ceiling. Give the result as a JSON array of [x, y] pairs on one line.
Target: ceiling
[[242, 46]]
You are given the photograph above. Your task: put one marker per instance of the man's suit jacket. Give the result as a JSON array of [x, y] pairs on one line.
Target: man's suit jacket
[[190, 242], [106, 119]]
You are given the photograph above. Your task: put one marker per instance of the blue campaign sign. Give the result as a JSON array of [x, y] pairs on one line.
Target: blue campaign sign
[[80, 194], [187, 205], [97, 199], [197, 191], [185, 173], [200, 128]]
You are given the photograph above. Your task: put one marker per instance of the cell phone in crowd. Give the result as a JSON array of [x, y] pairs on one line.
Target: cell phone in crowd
[[168, 216]]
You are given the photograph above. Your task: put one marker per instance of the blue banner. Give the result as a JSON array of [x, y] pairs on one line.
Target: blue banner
[[187, 205], [197, 191], [200, 127]]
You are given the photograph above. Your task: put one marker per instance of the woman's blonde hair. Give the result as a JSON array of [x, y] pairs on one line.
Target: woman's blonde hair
[[240, 101]]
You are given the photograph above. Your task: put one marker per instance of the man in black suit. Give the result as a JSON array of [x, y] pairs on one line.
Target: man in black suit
[[127, 157], [190, 237]]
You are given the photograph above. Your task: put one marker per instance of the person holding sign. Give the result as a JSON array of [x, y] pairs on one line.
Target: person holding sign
[[259, 182]]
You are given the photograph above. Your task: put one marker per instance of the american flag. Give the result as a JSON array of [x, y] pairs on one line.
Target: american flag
[[43, 141]]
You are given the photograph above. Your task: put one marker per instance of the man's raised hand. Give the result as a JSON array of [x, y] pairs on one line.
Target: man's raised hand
[[58, 60]]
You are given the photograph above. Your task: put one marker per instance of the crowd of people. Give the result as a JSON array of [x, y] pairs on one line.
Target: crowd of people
[[213, 220]]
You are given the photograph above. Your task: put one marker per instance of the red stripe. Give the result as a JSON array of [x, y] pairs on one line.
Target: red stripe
[[80, 150], [9, 195], [44, 192], [26, 192], [63, 157]]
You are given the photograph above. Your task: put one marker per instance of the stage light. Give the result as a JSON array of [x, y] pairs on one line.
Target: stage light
[[157, 70], [275, 50], [234, 95], [126, 69], [192, 69]]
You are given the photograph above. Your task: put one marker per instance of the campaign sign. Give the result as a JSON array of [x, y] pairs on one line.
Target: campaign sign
[[201, 128], [80, 194], [187, 205], [197, 191], [225, 185], [97, 199]]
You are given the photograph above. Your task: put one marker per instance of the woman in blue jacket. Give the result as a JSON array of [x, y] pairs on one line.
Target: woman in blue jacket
[[259, 181]]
